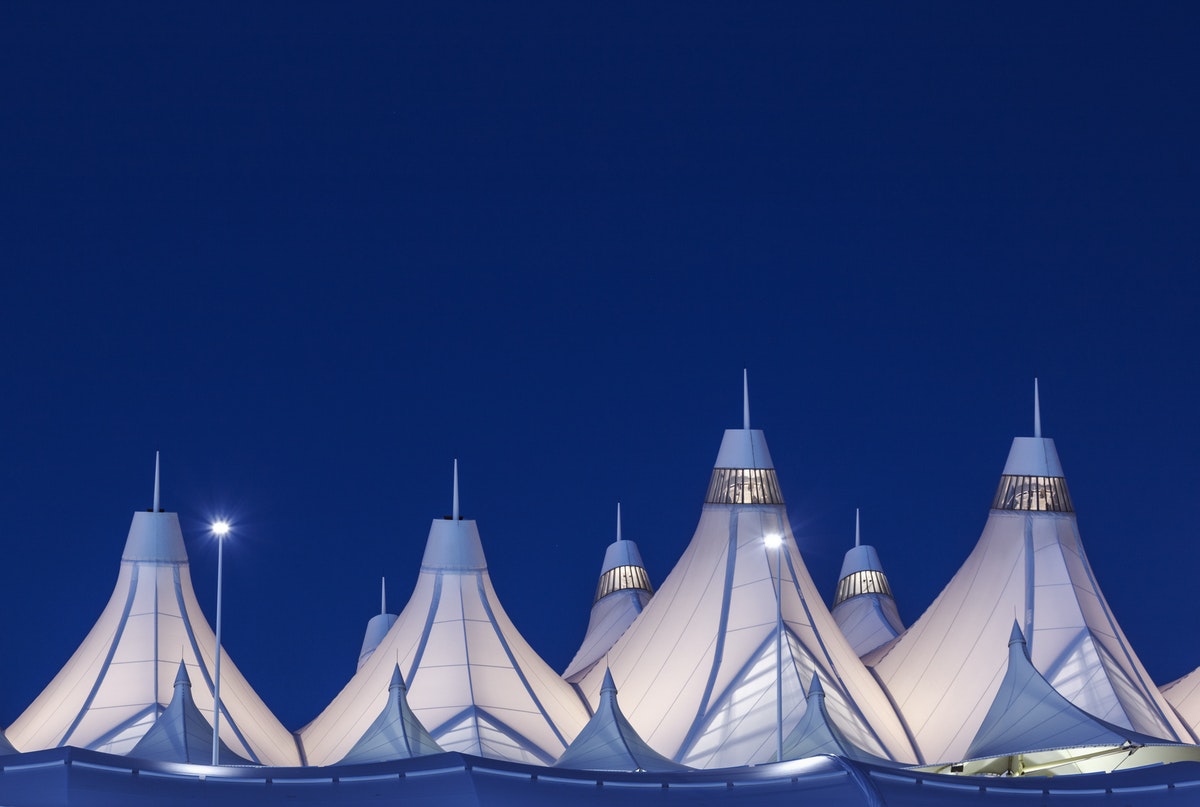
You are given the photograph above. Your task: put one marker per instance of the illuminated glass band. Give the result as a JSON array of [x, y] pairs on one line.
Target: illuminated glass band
[[865, 582], [743, 486], [620, 578], [1044, 493]]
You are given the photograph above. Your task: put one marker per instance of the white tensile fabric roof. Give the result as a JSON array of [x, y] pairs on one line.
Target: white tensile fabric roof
[[396, 733], [473, 681], [698, 666], [1029, 563], [614, 612], [609, 743], [1184, 695], [181, 733], [121, 678]]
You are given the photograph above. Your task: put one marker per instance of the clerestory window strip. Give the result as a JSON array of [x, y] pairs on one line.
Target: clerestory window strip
[[1039, 493], [743, 486], [620, 578], [868, 581]]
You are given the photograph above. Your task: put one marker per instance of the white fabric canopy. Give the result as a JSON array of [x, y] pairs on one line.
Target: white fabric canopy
[[473, 681], [698, 667], [121, 678], [1029, 563]]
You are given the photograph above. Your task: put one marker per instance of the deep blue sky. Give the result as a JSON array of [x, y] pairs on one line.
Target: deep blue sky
[[313, 253]]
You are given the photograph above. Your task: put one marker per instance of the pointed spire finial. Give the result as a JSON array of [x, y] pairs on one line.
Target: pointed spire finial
[[745, 399], [156, 481], [1016, 636], [608, 685], [618, 521], [397, 681], [182, 678], [455, 510], [383, 595], [815, 690], [1037, 411], [856, 533]]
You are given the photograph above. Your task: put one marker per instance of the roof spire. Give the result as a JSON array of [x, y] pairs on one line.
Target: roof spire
[[455, 511], [1037, 411], [155, 481], [856, 534], [383, 595], [618, 521], [745, 399]]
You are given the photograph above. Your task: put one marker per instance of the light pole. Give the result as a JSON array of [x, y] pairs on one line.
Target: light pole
[[220, 529], [775, 541]]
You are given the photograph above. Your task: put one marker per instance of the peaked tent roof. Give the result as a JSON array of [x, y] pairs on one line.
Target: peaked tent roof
[[1028, 714], [396, 733], [609, 743], [864, 607], [945, 670], [698, 667], [119, 680], [816, 733], [473, 681], [621, 594], [181, 733]]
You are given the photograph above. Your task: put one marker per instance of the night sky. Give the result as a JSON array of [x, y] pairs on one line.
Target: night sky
[[313, 253]]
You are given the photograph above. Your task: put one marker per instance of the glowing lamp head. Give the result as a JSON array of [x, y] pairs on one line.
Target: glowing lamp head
[[773, 540], [220, 528]]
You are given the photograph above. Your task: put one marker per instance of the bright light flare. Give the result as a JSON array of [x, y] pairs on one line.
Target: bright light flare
[[220, 528], [773, 540]]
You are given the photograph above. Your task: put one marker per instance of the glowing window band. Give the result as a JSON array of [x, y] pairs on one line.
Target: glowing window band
[[1042, 493], [621, 578], [864, 582], [743, 486]]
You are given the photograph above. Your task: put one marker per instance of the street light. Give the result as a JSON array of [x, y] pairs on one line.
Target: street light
[[774, 540], [220, 528]]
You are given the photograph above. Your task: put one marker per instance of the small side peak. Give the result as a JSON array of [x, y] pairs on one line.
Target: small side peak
[[608, 685], [745, 399], [1016, 636], [1037, 411], [454, 511], [857, 534], [618, 521], [397, 681], [383, 595], [156, 508], [182, 678]]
